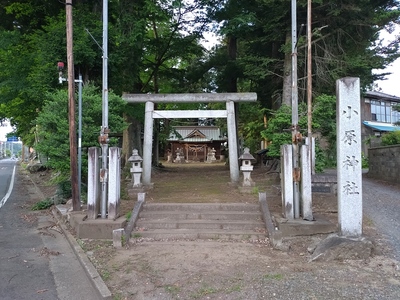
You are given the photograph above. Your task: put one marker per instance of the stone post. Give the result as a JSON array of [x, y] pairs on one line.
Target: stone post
[[312, 153], [93, 195], [349, 178], [287, 181], [306, 193], [114, 183]]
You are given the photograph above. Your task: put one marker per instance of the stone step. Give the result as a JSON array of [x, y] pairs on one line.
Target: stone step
[[200, 224], [201, 215], [226, 221], [188, 234], [195, 207]]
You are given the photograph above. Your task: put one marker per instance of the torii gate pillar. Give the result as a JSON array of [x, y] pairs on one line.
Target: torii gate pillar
[[147, 143]]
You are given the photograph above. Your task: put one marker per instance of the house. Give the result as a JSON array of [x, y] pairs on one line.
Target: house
[[377, 116], [195, 142]]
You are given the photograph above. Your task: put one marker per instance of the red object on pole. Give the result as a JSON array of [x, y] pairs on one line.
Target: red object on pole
[[60, 66]]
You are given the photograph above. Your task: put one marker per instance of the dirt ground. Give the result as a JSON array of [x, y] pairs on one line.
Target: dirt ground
[[179, 269]]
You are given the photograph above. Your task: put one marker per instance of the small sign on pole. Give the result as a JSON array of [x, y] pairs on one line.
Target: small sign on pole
[[12, 139]]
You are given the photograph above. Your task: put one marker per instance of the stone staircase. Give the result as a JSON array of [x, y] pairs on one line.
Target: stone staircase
[[230, 221]]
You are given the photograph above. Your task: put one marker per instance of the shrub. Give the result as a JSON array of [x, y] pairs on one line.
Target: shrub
[[43, 204], [391, 138]]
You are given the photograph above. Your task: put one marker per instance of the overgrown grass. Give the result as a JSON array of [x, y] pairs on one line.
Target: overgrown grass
[[204, 291], [43, 204]]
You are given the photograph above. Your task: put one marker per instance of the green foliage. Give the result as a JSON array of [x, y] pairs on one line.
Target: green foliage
[[154, 47], [324, 122], [251, 123], [364, 161], [53, 127], [278, 130], [43, 204], [391, 138]]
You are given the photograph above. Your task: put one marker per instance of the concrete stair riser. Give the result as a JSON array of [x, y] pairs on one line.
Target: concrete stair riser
[[193, 235], [200, 221], [211, 215], [200, 224], [195, 207]]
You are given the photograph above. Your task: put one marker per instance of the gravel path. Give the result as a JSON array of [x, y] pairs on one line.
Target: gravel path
[[381, 204]]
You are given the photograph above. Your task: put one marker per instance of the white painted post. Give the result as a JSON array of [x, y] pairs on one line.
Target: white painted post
[[93, 195], [287, 181], [349, 178], [306, 193], [113, 183], [232, 142], [148, 143]]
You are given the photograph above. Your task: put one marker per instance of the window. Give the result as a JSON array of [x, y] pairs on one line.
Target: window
[[395, 114], [382, 111]]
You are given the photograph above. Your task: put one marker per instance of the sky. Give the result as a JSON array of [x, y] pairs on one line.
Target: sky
[[391, 86], [3, 131]]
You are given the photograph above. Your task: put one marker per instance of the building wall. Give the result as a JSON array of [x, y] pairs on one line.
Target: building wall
[[201, 155], [384, 163]]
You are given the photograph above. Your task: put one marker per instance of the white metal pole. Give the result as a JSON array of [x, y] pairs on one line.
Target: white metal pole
[[309, 85], [104, 129], [80, 137]]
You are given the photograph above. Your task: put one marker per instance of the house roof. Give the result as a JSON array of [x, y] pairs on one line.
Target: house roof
[[196, 134], [381, 126], [381, 96]]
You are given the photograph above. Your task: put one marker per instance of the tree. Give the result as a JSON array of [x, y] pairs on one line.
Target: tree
[[52, 127], [391, 138], [154, 47], [324, 123], [345, 43]]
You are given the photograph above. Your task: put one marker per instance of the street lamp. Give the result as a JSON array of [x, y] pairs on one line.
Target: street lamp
[[61, 79]]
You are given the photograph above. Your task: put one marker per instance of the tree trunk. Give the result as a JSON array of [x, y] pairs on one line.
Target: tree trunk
[[232, 80], [131, 139], [232, 54]]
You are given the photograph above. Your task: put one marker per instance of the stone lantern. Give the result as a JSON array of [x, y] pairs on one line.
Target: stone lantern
[[136, 169], [247, 168]]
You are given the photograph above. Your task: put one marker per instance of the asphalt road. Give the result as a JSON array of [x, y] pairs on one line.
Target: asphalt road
[[381, 204], [6, 171], [36, 261]]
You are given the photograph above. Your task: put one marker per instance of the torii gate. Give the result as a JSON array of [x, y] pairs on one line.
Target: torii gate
[[151, 114]]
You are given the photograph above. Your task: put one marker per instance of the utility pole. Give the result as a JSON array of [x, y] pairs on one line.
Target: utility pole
[[76, 205]]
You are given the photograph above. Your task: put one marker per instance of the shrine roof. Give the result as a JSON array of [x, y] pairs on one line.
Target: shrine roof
[[196, 134]]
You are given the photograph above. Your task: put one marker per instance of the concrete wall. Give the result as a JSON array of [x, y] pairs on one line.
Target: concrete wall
[[384, 163]]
